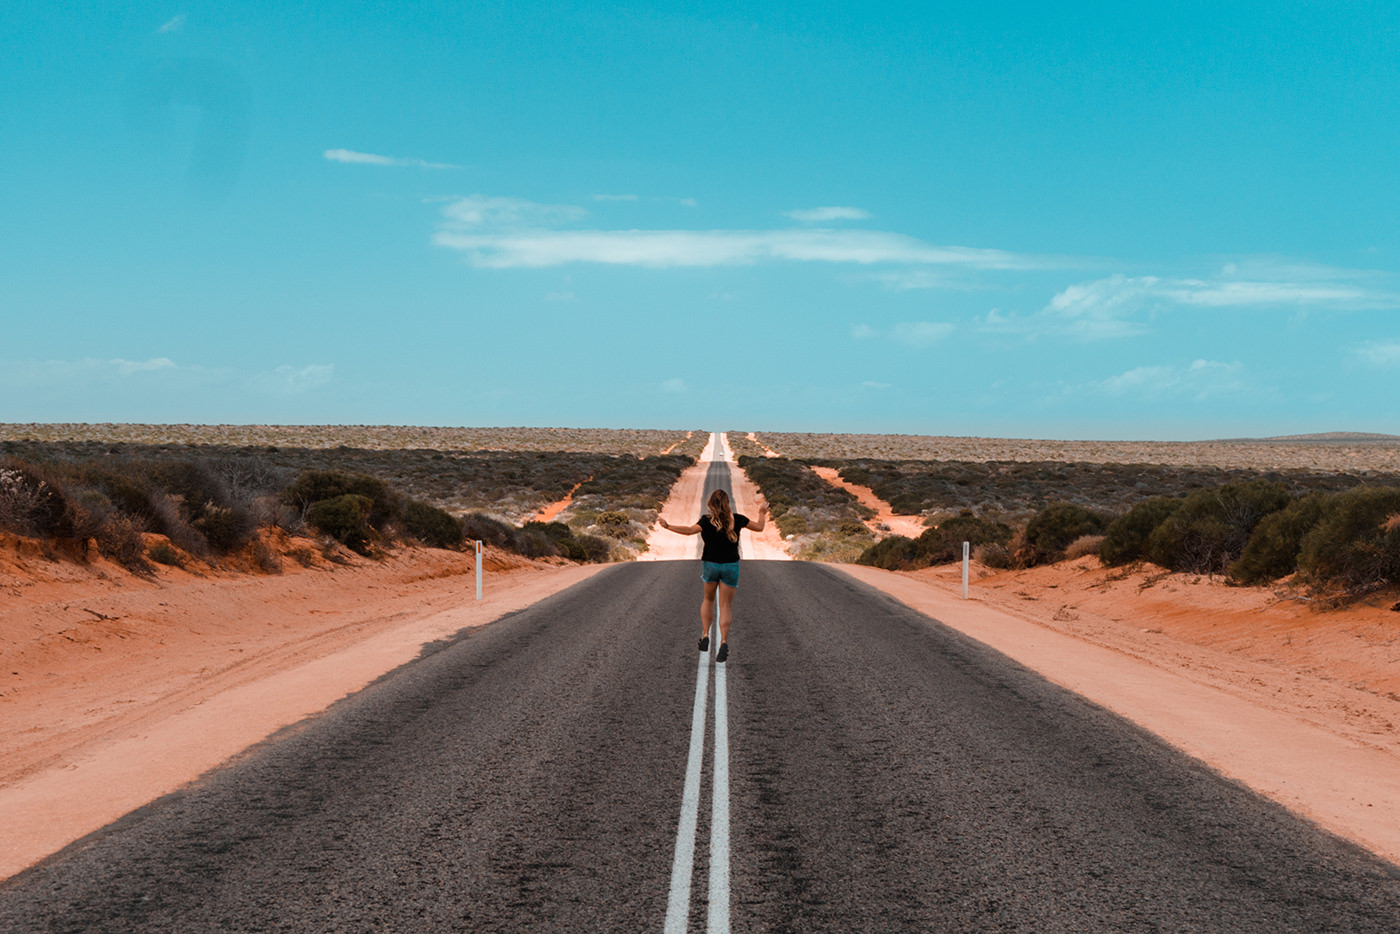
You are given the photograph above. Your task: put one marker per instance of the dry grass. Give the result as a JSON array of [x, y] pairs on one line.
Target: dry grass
[[639, 441], [1349, 456]]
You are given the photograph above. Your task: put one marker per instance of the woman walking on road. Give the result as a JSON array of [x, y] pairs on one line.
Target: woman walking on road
[[719, 563]]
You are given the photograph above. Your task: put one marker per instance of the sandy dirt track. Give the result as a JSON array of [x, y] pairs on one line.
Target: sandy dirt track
[[686, 504]]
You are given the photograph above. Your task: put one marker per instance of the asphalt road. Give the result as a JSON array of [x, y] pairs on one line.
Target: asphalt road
[[884, 773]]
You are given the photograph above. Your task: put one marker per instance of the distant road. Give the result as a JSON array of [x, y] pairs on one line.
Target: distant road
[[884, 774]]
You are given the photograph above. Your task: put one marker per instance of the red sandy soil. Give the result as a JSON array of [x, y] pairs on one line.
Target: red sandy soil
[[116, 689], [885, 521], [1303, 706], [548, 513]]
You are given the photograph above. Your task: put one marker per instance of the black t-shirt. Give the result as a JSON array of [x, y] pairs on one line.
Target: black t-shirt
[[718, 547]]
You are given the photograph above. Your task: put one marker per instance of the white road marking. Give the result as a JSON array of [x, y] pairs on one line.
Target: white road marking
[[682, 865], [719, 811]]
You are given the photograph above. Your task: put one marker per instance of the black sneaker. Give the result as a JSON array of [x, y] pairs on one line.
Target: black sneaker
[[723, 652], [704, 643]]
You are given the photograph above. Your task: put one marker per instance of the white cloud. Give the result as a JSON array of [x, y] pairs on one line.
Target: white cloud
[[290, 380], [616, 198], [674, 386], [505, 233], [1379, 353], [1243, 294], [688, 248], [100, 375], [908, 333], [1116, 306], [922, 333], [351, 157], [128, 367], [479, 211], [1199, 380], [173, 25], [822, 215]]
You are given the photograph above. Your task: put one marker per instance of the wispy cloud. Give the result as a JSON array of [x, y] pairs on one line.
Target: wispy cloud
[[1121, 306], [824, 215], [502, 233], [674, 386], [99, 375], [480, 212], [1199, 380], [683, 202], [174, 24], [291, 380], [350, 157], [908, 333], [1385, 353]]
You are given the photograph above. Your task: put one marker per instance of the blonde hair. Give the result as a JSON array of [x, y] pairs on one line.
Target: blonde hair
[[722, 516]]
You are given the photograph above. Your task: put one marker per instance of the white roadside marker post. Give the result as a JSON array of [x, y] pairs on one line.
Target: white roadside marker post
[[479, 550], [966, 548]]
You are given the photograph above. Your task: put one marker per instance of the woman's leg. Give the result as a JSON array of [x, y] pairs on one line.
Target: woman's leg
[[707, 609], [726, 610]]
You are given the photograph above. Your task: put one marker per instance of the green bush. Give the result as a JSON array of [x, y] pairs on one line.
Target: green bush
[[1052, 530], [1355, 545], [1272, 551], [314, 486], [431, 526], [33, 501], [896, 553], [478, 527], [940, 545], [344, 518], [165, 553], [1125, 539], [1209, 530]]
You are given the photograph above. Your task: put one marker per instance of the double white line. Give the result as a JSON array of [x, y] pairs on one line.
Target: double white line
[[683, 864]]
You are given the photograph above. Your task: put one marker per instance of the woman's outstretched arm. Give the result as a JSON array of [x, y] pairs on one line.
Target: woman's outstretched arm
[[679, 529], [756, 525]]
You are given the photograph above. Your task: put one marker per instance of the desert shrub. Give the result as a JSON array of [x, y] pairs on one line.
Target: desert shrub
[[1052, 530], [614, 524], [1125, 539], [344, 518], [940, 545], [165, 553], [596, 550], [33, 502], [313, 486], [478, 527], [119, 538], [431, 526], [225, 528], [943, 543], [1273, 547], [1209, 530], [993, 555], [1355, 545], [556, 538], [1084, 545], [896, 553]]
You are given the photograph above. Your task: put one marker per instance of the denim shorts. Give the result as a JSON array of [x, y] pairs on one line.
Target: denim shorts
[[727, 573]]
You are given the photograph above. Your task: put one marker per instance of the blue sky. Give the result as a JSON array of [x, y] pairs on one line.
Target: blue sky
[[1025, 220]]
